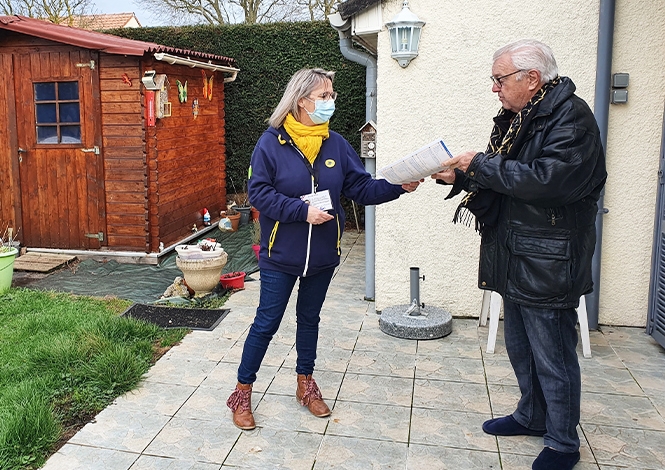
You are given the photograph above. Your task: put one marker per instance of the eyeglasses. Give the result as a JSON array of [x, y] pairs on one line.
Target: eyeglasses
[[328, 95], [497, 80]]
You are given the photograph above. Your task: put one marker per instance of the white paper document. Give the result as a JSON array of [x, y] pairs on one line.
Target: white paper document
[[423, 162], [321, 200]]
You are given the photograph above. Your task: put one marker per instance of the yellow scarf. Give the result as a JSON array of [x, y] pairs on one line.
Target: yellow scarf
[[307, 138]]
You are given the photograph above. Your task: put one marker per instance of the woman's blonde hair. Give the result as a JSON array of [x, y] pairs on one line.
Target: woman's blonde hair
[[301, 85]]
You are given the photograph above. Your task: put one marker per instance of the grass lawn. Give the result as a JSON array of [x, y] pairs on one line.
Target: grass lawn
[[63, 359]]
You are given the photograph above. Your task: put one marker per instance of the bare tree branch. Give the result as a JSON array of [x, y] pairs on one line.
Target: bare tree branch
[[238, 11], [56, 11]]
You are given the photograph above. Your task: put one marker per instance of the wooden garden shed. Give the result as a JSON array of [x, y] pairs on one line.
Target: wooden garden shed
[[106, 143]]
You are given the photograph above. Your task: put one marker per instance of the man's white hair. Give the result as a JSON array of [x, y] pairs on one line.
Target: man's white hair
[[529, 54]]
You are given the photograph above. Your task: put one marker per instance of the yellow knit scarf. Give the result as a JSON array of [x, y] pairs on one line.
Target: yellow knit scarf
[[307, 138]]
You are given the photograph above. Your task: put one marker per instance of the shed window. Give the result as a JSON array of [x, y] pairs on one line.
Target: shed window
[[58, 113]]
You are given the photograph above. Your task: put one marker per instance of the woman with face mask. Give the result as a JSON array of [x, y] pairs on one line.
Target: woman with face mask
[[299, 169]]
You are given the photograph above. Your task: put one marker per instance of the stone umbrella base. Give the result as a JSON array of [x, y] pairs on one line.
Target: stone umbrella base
[[431, 323]]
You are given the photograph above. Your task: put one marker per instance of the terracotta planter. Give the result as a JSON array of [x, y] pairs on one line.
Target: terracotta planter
[[254, 213], [202, 275], [235, 221], [234, 280]]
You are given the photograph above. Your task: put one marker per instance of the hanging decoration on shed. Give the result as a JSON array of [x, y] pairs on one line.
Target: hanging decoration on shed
[[126, 79], [182, 91], [195, 107], [207, 85]]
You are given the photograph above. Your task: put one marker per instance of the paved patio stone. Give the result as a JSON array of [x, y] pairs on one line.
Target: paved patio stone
[[453, 396], [76, 457], [148, 462], [358, 420], [396, 404], [286, 413], [621, 411], [446, 458], [121, 429], [179, 370], [266, 448], [192, 439], [451, 429], [377, 389], [456, 369], [284, 382], [154, 397], [633, 448], [382, 363], [345, 453]]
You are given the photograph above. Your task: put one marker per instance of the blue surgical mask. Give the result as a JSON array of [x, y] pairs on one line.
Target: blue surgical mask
[[323, 111]]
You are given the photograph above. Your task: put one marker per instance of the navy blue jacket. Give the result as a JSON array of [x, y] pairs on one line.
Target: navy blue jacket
[[280, 174]]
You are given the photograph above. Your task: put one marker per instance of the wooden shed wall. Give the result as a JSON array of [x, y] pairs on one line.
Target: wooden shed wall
[[124, 149], [186, 157]]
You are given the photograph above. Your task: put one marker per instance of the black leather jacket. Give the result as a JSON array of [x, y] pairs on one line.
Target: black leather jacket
[[539, 253]]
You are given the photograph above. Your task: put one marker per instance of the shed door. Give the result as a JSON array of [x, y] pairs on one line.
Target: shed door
[[656, 323], [60, 157]]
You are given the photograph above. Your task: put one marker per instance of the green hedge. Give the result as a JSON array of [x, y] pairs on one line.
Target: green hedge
[[268, 55]]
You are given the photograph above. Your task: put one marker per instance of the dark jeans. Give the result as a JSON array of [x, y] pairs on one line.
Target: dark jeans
[[541, 346], [276, 288]]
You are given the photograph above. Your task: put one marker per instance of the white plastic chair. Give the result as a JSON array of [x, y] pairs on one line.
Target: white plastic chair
[[492, 305]]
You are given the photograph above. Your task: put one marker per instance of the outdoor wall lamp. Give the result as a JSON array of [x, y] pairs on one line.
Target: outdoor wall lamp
[[404, 32]]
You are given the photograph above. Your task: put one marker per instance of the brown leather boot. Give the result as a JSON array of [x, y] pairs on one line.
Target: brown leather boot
[[240, 403], [309, 395]]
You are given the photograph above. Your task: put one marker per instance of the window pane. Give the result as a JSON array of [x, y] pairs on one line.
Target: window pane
[[69, 112], [68, 90], [46, 113], [44, 91], [70, 134], [47, 135]]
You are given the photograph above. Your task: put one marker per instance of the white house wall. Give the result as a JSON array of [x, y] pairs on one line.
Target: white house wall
[[446, 92]]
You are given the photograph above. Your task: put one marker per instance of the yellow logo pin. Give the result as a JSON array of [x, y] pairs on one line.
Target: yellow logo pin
[[330, 163]]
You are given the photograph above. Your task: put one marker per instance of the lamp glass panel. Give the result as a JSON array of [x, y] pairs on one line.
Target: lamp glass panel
[[393, 39], [416, 39]]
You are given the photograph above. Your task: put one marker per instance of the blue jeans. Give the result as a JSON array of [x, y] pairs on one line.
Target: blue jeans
[[276, 288], [541, 346]]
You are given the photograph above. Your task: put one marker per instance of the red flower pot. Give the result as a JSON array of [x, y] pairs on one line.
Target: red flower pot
[[234, 280], [256, 249]]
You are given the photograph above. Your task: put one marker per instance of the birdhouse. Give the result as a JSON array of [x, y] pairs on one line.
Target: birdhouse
[[368, 140]]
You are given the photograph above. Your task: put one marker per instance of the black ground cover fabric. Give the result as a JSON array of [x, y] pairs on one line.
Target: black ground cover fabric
[[145, 283], [175, 317]]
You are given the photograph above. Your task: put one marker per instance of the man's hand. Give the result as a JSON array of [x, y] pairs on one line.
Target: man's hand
[[446, 175], [411, 187], [461, 161], [316, 216]]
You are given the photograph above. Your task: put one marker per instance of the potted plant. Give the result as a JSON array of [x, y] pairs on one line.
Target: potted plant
[[256, 237], [234, 216], [8, 254]]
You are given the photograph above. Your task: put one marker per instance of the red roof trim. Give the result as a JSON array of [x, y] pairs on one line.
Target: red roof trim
[[99, 41]]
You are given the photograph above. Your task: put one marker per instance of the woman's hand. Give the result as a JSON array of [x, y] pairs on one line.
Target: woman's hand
[[411, 187], [316, 216]]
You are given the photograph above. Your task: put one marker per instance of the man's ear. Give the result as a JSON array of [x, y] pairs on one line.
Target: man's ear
[[533, 76]]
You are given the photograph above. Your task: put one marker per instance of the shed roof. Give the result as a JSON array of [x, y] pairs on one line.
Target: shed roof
[[99, 41], [106, 21], [351, 7]]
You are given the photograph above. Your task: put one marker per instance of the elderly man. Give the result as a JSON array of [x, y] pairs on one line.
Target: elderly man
[[534, 195]]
